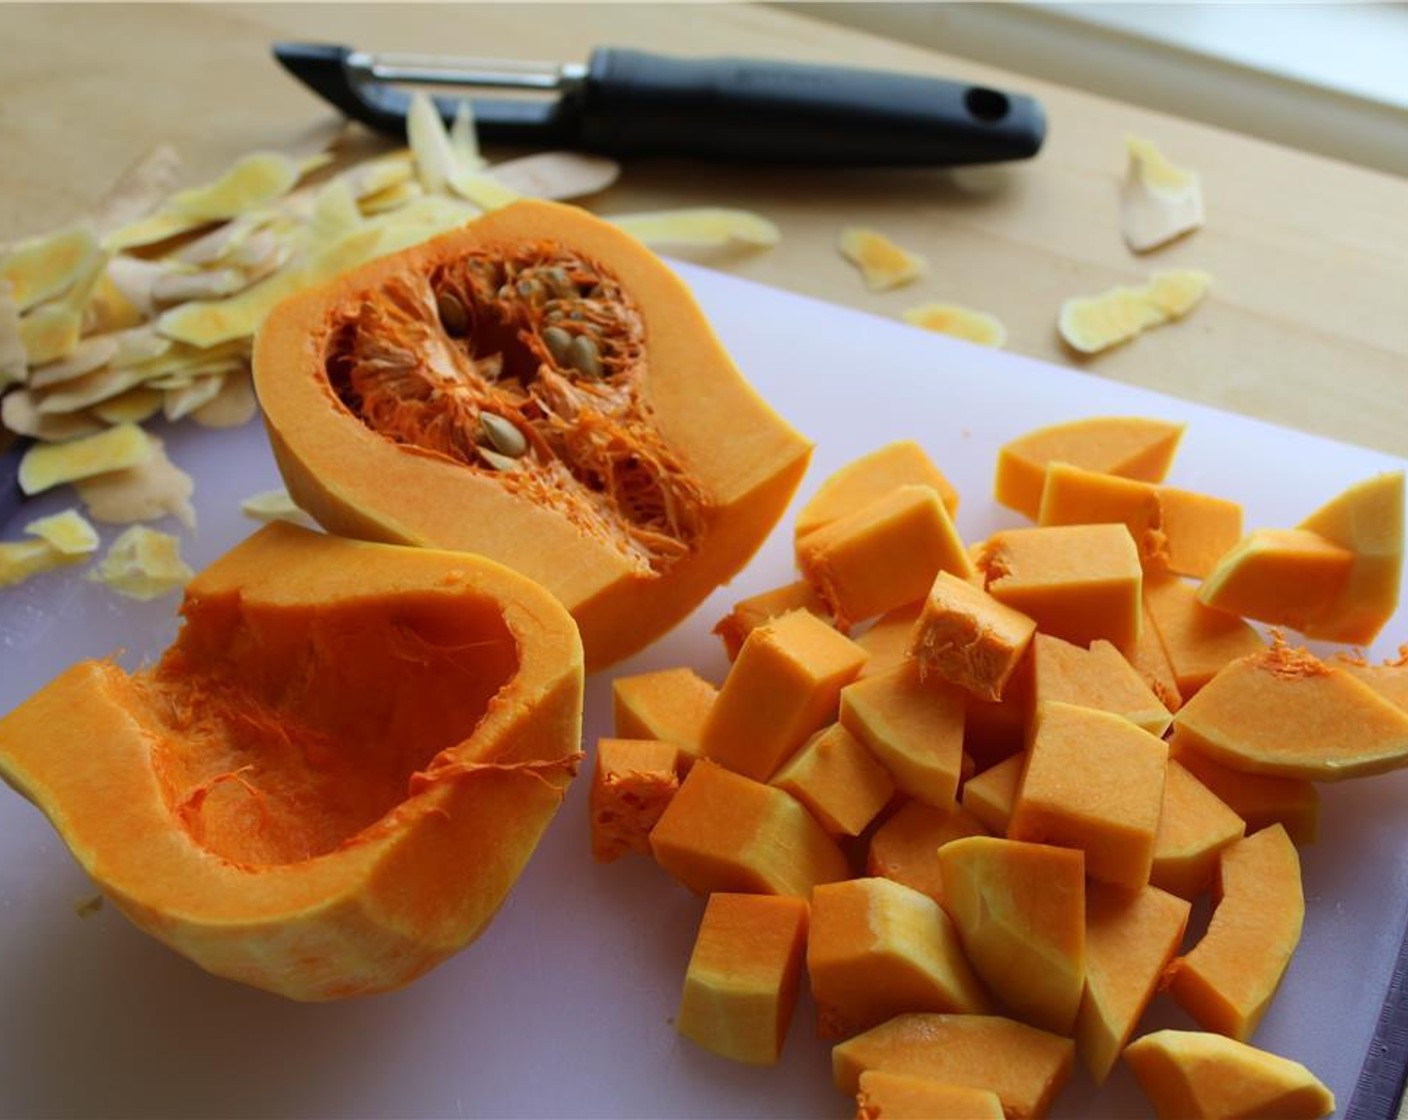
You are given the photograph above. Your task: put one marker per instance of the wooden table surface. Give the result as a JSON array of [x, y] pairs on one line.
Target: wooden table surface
[[1306, 325]]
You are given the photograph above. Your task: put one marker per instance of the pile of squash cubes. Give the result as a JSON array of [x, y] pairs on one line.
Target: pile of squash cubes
[[973, 790]]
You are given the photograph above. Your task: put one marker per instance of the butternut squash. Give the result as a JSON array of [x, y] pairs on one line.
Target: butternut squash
[[877, 949], [331, 780], [989, 796], [1197, 1075], [1024, 1066], [632, 782], [1196, 639], [1195, 825], [740, 988], [539, 388], [750, 613], [905, 847], [968, 638], [899, 1096], [1098, 677], [840, 781], [1261, 800], [670, 705], [864, 481]]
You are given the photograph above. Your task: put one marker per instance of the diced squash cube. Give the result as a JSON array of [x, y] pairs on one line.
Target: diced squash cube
[[724, 832], [914, 728], [883, 555], [632, 782], [1261, 800], [1093, 781], [1197, 640], [838, 779], [1099, 677], [1020, 913], [990, 795], [968, 638], [740, 988], [866, 480], [1287, 713], [1197, 1075], [1130, 937], [752, 612], [1227, 979], [1024, 1066], [1195, 825], [876, 949], [1129, 446], [1286, 577], [906, 847], [887, 639], [1078, 582], [782, 688], [670, 705], [902, 1096], [1178, 531]]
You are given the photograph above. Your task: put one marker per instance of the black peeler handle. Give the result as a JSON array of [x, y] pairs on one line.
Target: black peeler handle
[[632, 103]]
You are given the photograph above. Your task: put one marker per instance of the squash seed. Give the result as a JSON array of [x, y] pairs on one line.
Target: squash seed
[[582, 356], [453, 317], [503, 435], [497, 461], [558, 342]]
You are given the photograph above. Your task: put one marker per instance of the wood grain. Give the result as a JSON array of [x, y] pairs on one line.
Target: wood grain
[[1305, 326]]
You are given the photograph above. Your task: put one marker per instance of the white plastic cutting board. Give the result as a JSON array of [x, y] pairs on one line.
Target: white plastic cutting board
[[564, 1007]]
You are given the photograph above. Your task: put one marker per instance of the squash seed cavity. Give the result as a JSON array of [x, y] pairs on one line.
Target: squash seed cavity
[[525, 369]]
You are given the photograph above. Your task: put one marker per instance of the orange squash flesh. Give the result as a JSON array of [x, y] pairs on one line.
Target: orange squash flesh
[[877, 949], [744, 973], [838, 780], [1098, 677], [670, 705], [1227, 979], [1287, 713], [886, 640], [632, 782], [1196, 639], [333, 777], [750, 613], [1196, 1075], [1020, 913], [1195, 825], [866, 480], [898, 1096], [1024, 1066], [990, 796], [1259, 799], [905, 847], [1129, 446], [1130, 937], [1286, 577], [1093, 781], [968, 638], [652, 470]]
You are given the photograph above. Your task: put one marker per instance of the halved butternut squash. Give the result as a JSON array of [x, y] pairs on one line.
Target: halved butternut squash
[[331, 780], [539, 388]]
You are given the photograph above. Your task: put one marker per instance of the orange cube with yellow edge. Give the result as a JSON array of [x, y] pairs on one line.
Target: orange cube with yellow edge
[[968, 638], [1024, 1066], [903, 1096], [782, 688], [884, 555], [840, 781], [670, 705], [1130, 937], [877, 948], [915, 729], [1020, 912], [1287, 577], [990, 795], [632, 782], [750, 613], [905, 848], [1226, 981], [866, 480], [1195, 825], [740, 988], [1136, 447], [724, 832], [1078, 582], [1098, 677], [1178, 531], [1093, 781]]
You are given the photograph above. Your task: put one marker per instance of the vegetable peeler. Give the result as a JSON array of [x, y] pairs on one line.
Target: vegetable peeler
[[632, 103]]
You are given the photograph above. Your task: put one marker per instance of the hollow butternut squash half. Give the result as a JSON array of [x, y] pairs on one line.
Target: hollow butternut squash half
[[540, 388], [332, 778]]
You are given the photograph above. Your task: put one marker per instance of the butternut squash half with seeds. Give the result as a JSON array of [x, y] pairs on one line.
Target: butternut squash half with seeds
[[540, 388]]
